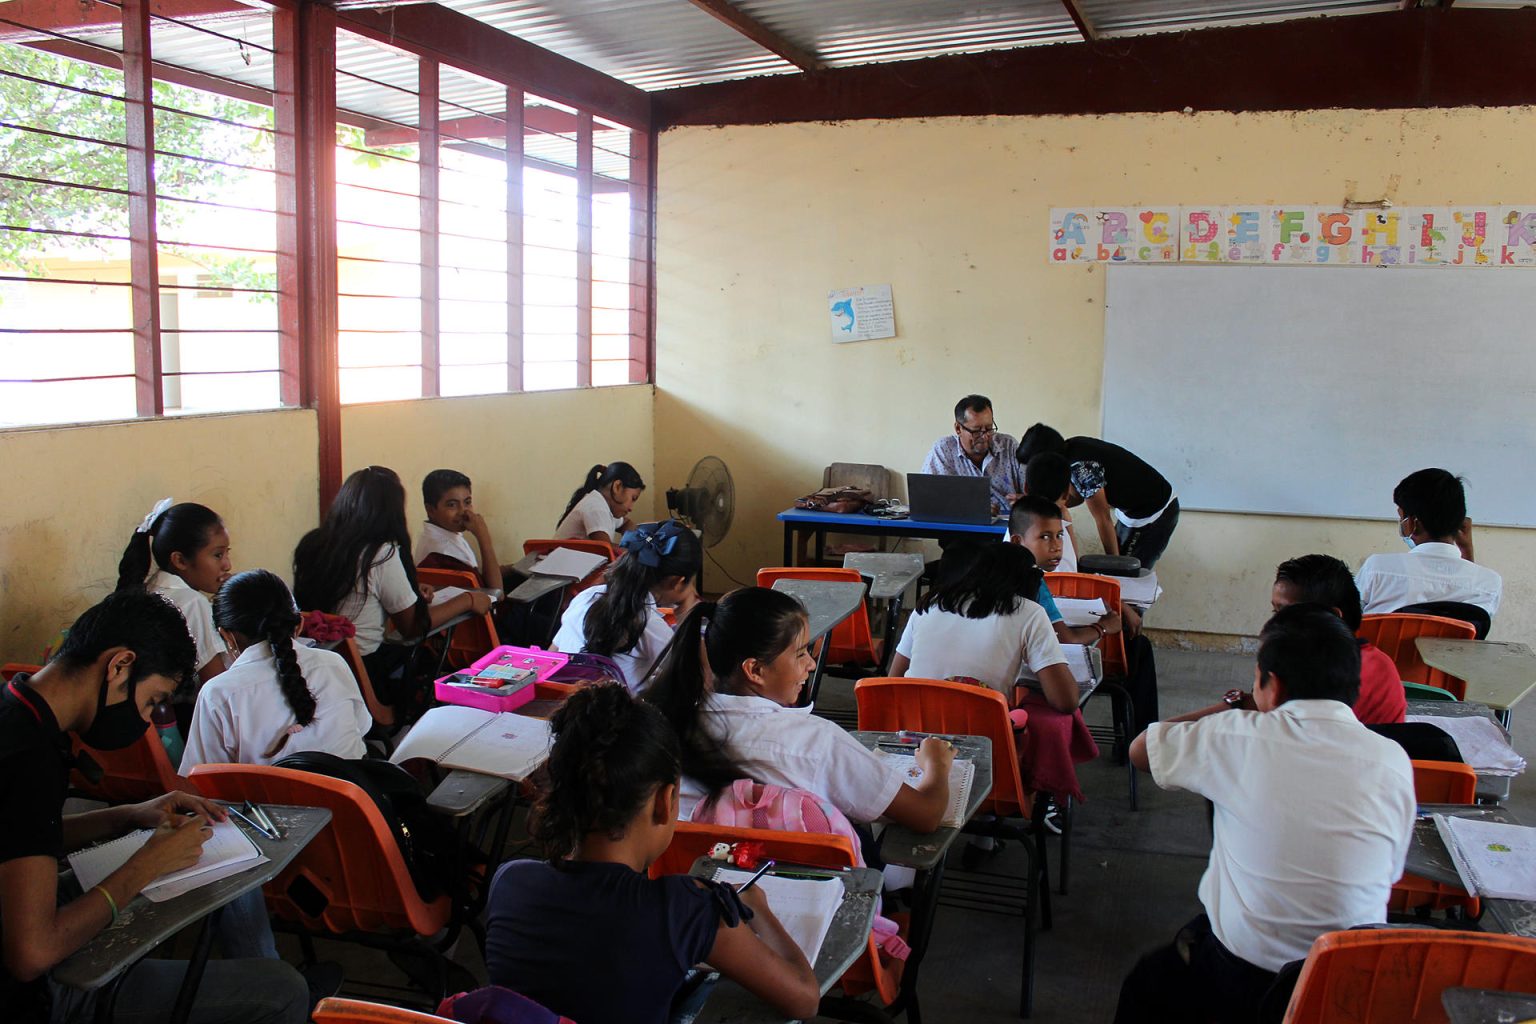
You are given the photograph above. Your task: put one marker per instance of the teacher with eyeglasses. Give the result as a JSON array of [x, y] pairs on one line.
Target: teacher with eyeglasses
[[977, 449]]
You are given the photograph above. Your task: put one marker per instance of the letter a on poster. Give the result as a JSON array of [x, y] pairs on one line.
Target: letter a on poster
[[862, 314]]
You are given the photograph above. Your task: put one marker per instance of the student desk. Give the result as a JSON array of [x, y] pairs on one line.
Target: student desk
[[889, 575], [144, 925], [819, 524], [1491, 789], [925, 855], [826, 603], [1428, 858], [1487, 1006], [1498, 673], [847, 938]]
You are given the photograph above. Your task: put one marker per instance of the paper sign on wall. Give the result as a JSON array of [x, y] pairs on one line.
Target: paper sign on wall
[[862, 314]]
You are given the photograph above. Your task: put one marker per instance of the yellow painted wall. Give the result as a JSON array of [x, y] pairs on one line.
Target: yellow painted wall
[[525, 453], [73, 496], [756, 224]]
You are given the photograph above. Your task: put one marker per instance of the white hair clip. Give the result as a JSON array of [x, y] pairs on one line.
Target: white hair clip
[[154, 513]]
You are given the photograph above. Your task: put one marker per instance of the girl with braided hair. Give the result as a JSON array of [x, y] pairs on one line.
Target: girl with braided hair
[[585, 932], [278, 698]]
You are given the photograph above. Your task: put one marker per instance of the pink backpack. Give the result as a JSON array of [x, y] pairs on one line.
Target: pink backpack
[[748, 804]]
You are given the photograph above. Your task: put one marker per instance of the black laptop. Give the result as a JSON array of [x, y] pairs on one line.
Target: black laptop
[[949, 499]]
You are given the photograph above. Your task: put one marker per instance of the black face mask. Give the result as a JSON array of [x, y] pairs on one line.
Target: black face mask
[[117, 726]]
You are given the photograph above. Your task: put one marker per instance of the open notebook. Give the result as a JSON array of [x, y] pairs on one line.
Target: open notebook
[[961, 774], [228, 851], [1493, 859], [1077, 611], [568, 562], [508, 745], [804, 906]]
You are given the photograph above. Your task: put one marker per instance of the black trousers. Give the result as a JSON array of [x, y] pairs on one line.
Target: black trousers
[[1197, 980], [1149, 542]]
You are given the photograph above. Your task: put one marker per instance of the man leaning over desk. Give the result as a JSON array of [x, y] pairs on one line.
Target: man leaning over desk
[[977, 449]]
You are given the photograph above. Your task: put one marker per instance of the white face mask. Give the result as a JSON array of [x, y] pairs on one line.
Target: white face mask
[[1407, 538]]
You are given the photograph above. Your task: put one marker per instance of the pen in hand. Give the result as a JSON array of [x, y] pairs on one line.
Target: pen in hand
[[749, 883]]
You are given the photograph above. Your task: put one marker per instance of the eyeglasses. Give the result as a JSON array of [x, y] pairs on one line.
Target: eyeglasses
[[978, 431]]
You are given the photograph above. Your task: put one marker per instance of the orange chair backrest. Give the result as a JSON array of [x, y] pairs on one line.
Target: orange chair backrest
[[1396, 975], [1087, 586], [473, 637], [852, 641], [140, 771], [355, 1011], [1444, 782], [544, 545], [12, 668], [959, 709], [1395, 635], [382, 713], [354, 864]]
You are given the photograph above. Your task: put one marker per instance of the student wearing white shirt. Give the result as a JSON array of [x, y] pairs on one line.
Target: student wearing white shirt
[[1313, 816], [619, 619], [1432, 521], [738, 716], [451, 514], [599, 509]]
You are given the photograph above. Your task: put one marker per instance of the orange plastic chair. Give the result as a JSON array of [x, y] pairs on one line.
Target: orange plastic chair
[[692, 841], [355, 1011], [12, 668], [852, 642], [382, 713], [351, 879], [140, 771], [544, 546], [473, 637], [1395, 634], [1396, 975], [1437, 782], [1086, 586]]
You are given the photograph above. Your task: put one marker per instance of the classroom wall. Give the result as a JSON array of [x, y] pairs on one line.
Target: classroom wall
[[74, 495], [525, 453], [756, 224]]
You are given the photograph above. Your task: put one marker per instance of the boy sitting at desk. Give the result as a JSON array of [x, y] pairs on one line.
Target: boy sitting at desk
[[1313, 816], [117, 662], [450, 514], [1432, 521]]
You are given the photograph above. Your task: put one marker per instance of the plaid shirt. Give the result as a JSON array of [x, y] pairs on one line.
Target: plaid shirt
[[1001, 466]]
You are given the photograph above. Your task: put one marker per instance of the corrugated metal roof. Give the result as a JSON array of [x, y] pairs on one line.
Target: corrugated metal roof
[[1117, 17]]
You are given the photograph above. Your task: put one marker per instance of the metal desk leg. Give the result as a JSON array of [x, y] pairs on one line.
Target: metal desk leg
[[892, 617], [925, 909], [194, 976], [821, 666], [789, 544]]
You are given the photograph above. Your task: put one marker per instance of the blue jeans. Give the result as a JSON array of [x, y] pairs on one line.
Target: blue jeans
[[244, 930], [232, 992]]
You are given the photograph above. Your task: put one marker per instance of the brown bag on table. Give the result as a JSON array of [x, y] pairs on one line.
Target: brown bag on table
[[843, 500]]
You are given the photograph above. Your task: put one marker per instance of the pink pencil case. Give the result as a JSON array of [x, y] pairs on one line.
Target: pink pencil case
[[541, 663]]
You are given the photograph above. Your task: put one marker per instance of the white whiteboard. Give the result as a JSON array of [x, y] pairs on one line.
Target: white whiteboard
[[1314, 390]]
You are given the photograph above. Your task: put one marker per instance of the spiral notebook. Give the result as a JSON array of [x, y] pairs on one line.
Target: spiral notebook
[[1493, 859], [504, 744], [228, 851], [961, 774], [804, 906]]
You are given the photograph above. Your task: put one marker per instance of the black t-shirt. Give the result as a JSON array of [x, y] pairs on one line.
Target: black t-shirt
[[597, 942], [34, 780], [1130, 485]]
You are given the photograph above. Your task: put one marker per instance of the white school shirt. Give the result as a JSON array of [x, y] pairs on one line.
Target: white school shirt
[[995, 649], [436, 540], [1314, 813], [387, 592], [636, 661], [241, 713], [1430, 572], [590, 516], [195, 608], [1068, 549], [791, 747]]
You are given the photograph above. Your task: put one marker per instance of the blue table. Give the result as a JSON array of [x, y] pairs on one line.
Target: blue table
[[819, 524]]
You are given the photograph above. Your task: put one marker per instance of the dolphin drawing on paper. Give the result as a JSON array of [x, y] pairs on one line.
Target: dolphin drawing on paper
[[844, 308]]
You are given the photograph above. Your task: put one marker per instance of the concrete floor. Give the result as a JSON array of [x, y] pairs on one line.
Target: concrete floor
[[1133, 882]]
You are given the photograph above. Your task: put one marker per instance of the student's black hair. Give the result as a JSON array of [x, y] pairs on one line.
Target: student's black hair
[[367, 515], [1435, 498], [1041, 438], [1311, 651], [147, 624], [1046, 475], [1029, 508], [439, 482], [611, 752], [257, 605], [181, 529], [602, 476], [616, 620], [977, 404], [1323, 580], [752, 622], [982, 579]]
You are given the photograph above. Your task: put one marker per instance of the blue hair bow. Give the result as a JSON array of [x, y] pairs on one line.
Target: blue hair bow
[[650, 542]]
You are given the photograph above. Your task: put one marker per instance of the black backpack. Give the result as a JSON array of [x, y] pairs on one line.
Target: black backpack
[[428, 843]]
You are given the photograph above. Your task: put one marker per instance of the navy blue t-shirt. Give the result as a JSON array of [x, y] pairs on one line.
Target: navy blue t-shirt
[[601, 943]]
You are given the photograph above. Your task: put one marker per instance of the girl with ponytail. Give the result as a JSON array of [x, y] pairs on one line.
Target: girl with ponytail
[[605, 811], [619, 619], [278, 698], [730, 684], [181, 552], [599, 509]]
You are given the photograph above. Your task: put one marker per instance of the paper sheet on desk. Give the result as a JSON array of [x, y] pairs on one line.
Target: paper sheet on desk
[[804, 906], [1076, 611], [1492, 858], [1139, 590], [1483, 745], [568, 562], [442, 594]]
